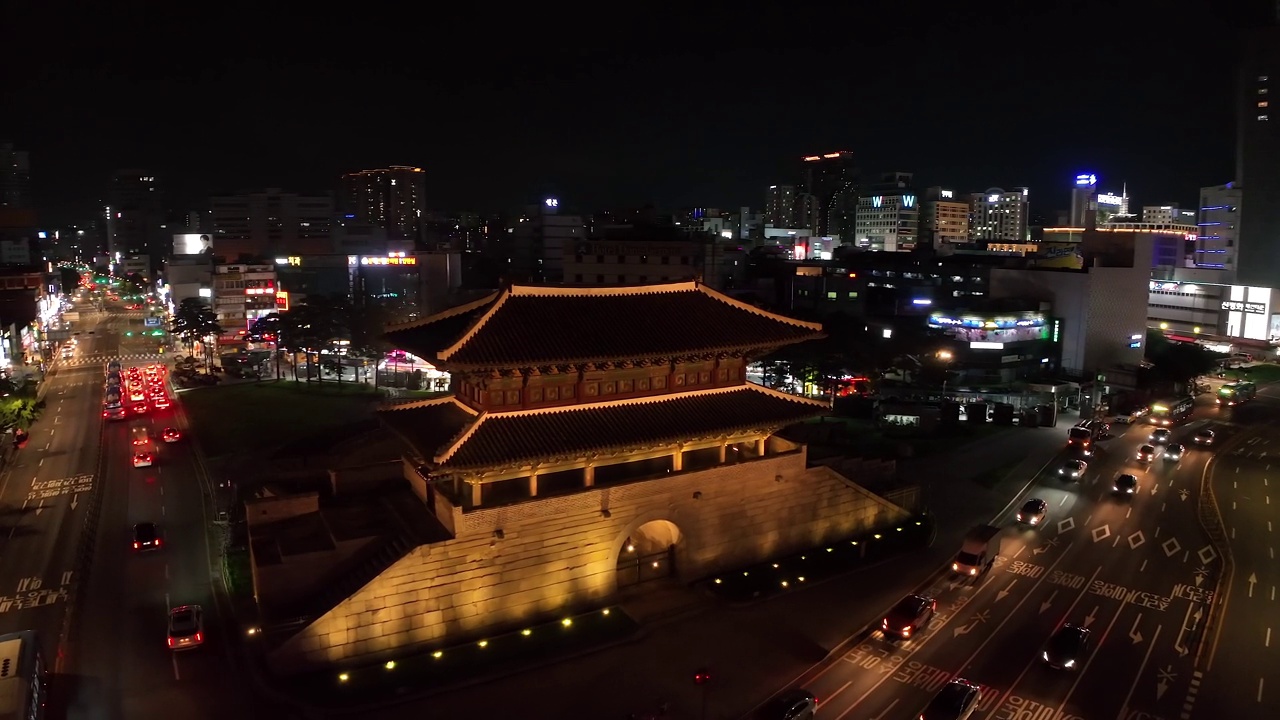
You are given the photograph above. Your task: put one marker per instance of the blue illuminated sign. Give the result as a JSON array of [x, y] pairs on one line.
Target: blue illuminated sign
[[908, 201], [1086, 179], [877, 201]]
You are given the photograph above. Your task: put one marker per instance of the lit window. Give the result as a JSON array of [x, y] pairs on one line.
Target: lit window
[[1262, 104], [1263, 117]]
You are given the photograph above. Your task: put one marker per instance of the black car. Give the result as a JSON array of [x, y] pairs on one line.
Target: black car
[[1174, 452], [1204, 436], [1067, 647], [798, 704], [1033, 512], [1125, 484], [146, 536], [956, 701], [909, 616]]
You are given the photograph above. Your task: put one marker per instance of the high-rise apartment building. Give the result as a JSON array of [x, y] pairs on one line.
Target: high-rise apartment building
[[271, 224], [1258, 158], [135, 217], [391, 198], [832, 180], [15, 177], [1219, 223], [944, 217], [998, 215], [780, 206]]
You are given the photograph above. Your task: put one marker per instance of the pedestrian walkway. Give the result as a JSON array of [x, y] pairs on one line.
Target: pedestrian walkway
[[99, 359]]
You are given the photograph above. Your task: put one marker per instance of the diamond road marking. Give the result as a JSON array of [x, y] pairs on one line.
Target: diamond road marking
[[1206, 554], [1066, 525], [1136, 539], [1171, 547], [1105, 531]]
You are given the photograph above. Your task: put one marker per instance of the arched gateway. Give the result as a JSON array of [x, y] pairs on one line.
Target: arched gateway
[[648, 553]]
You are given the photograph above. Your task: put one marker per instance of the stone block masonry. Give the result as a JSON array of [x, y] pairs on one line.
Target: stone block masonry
[[516, 564]]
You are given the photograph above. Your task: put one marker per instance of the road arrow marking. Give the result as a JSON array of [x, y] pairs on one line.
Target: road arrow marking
[[1183, 494], [964, 629], [1134, 635], [75, 499], [40, 509], [1154, 487], [1161, 688], [1045, 605], [1004, 593], [1093, 615], [1253, 580]]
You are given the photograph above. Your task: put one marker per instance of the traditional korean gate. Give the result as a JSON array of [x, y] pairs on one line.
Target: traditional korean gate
[[634, 569]]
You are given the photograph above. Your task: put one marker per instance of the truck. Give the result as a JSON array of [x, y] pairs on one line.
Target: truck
[[978, 551]]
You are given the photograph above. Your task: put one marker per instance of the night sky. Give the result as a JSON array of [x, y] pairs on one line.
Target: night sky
[[629, 107]]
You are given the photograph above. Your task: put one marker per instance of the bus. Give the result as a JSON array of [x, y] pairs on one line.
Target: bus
[[1171, 412], [112, 405], [1084, 434], [1237, 393], [113, 367], [24, 682]]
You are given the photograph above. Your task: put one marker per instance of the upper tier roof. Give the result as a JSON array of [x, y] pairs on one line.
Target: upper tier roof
[[530, 326]]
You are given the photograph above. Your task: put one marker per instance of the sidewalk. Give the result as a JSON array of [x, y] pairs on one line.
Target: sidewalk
[[758, 649]]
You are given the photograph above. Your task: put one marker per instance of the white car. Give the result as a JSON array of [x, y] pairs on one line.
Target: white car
[[186, 627], [1073, 469], [143, 459]]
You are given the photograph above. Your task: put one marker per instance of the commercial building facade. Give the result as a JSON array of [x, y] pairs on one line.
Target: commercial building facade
[[1219, 224], [998, 216], [1258, 158], [271, 223]]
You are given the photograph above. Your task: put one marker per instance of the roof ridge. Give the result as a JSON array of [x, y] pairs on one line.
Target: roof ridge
[[460, 439], [603, 290], [428, 402], [732, 302], [475, 327], [442, 315]]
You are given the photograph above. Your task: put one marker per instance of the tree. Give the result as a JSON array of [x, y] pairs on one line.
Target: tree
[[1177, 362], [134, 284], [193, 321], [69, 277]]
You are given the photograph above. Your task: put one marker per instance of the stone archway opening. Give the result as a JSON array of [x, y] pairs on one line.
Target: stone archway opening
[[648, 554]]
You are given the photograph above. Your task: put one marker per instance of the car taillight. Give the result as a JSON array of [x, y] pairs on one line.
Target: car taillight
[[157, 542], [199, 637], [170, 642], [135, 545]]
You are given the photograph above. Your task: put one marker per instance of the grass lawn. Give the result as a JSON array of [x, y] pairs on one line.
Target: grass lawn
[[253, 417], [1267, 373]]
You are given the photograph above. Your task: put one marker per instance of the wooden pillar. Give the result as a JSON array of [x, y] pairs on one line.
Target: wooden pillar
[[760, 445], [533, 484], [476, 493], [677, 459], [724, 450], [589, 476]]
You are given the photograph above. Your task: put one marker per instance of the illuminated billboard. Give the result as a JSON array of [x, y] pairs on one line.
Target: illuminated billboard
[[1110, 199], [192, 244], [1086, 180]]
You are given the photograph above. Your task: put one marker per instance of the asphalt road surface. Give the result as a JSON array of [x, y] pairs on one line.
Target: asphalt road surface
[[1137, 571], [1241, 668], [115, 663]]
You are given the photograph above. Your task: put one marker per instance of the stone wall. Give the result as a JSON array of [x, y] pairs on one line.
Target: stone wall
[[514, 564]]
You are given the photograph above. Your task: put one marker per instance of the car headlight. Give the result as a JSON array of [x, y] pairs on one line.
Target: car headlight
[[955, 566], [1045, 655], [1019, 517], [973, 571], [1035, 520], [1069, 663]]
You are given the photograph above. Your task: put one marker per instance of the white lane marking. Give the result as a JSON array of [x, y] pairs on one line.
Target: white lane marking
[[1144, 566], [1267, 641], [41, 462], [1259, 689]]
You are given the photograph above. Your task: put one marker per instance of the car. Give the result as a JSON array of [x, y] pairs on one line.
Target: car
[[140, 408], [1073, 469], [910, 615], [1033, 511], [160, 401], [136, 394], [957, 700], [171, 435], [1066, 648], [186, 627], [1203, 436], [1173, 453], [1146, 453], [143, 459], [797, 704], [146, 536], [1159, 436], [1125, 484]]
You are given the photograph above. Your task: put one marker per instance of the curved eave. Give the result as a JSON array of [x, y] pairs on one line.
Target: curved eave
[[450, 367]]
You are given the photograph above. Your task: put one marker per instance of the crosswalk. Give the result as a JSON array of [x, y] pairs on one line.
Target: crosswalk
[[80, 361]]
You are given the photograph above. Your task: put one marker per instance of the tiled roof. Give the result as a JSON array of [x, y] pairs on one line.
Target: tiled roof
[[512, 438], [429, 424], [530, 326]]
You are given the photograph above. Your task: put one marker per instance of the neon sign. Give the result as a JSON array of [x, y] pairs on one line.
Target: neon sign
[[1109, 199], [1086, 180]]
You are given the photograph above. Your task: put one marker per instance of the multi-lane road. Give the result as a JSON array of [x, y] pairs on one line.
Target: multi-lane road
[[70, 499], [1137, 571]]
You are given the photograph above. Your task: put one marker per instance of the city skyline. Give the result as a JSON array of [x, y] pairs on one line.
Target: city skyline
[[605, 126]]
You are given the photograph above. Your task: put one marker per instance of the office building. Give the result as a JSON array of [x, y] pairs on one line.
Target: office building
[[944, 218], [1084, 202], [537, 242], [832, 181], [1215, 314], [393, 199], [998, 216], [271, 224], [1258, 158], [888, 215], [135, 217], [15, 177], [242, 294], [1111, 205], [780, 206], [1168, 215], [1219, 228]]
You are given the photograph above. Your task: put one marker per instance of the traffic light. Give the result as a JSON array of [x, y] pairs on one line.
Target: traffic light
[[128, 333]]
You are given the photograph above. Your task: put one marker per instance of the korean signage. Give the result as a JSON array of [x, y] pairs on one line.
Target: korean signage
[[1248, 307], [282, 301], [1109, 199], [381, 260]]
